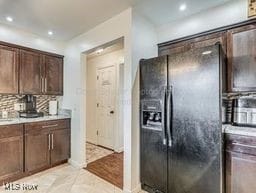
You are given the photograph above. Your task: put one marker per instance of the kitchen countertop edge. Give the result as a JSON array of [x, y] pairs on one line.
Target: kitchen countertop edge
[[15, 121], [237, 130]]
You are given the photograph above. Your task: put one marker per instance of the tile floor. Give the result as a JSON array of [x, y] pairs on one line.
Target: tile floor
[[66, 179], [94, 152]]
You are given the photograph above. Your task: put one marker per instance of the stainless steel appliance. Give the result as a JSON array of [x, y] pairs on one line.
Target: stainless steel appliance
[[244, 111], [30, 110], [181, 135]]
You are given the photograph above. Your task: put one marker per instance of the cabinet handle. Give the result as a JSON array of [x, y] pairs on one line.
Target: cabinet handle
[[45, 84], [52, 141], [42, 84], [49, 126], [243, 145], [49, 141]]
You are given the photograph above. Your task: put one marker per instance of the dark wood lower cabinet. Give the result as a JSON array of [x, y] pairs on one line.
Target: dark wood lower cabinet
[[240, 164], [46, 144], [240, 173], [33, 147], [37, 156], [11, 152], [60, 140]]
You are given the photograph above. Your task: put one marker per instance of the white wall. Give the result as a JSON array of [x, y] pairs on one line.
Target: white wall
[[27, 39], [144, 39], [75, 83], [229, 13], [113, 58]]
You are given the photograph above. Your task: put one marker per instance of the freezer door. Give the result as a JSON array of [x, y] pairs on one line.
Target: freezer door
[[194, 159], [153, 144]]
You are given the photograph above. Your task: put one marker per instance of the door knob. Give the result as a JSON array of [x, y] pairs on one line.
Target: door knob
[[111, 112]]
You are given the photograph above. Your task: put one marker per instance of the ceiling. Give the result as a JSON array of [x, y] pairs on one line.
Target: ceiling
[[66, 18], [160, 12], [69, 18]]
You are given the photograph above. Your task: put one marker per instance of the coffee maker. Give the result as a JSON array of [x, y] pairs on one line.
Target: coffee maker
[[29, 111]]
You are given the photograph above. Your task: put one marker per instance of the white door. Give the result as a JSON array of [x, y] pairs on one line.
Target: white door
[[106, 96]]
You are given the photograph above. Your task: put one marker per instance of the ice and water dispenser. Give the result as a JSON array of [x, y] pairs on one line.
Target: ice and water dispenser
[[152, 116]]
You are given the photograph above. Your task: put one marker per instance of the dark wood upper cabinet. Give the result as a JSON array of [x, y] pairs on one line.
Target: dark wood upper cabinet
[[9, 70], [173, 49], [30, 72], [242, 58], [216, 38], [11, 151], [53, 84], [199, 42]]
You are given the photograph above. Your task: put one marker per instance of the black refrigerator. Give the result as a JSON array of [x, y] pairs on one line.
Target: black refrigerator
[[180, 127]]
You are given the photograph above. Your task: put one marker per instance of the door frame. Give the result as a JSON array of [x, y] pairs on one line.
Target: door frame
[[118, 145]]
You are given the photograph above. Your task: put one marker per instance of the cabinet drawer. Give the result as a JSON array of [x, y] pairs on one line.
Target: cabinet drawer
[[47, 125], [10, 131], [241, 144]]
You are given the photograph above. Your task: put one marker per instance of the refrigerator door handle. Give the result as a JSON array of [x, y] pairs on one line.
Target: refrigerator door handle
[[164, 117], [169, 115]]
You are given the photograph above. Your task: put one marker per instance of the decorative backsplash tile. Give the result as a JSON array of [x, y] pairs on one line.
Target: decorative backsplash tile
[[7, 102]]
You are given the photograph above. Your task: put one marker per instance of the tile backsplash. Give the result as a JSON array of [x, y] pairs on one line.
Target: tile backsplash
[[7, 102]]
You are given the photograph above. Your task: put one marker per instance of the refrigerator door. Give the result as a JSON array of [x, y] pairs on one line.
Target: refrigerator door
[[153, 138], [195, 154]]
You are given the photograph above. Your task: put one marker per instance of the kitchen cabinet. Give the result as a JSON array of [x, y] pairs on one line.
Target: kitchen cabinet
[[41, 74], [241, 53], [240, 164], [11, 152], [9, 66], [209, 40], [46, 144], [37, 147], [173, 49], [60, 140], [30, 72], [198, 42], [53, 74]]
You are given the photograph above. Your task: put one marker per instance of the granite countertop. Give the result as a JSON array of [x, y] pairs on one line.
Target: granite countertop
[[246, 131], [12, 121]]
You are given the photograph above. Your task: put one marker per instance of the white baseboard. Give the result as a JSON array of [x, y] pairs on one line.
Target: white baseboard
[[119, 150], [135, 190], [77, 164]]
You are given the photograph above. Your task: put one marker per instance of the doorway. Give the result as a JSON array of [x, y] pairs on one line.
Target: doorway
[[106, 96], [104, 111]]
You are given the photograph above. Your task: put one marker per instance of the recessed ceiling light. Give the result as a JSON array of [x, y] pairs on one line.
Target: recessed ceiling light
[[183, 7], [99, 51], [207, 52], [50, 33], [10, 19]]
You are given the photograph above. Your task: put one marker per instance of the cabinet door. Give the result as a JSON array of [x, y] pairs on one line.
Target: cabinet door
[[240, 173], [242, 58], [37, 146], [211, 40], [60, 144], [53, 75], [173, 49], [9, 65], [30, 73], [11, 151]]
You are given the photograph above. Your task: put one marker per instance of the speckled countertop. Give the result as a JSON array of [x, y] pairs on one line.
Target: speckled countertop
[[63, 114], [246, 131]]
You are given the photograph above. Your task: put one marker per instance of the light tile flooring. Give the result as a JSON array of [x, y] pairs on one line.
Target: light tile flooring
[[94, 152], [66, 179]]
